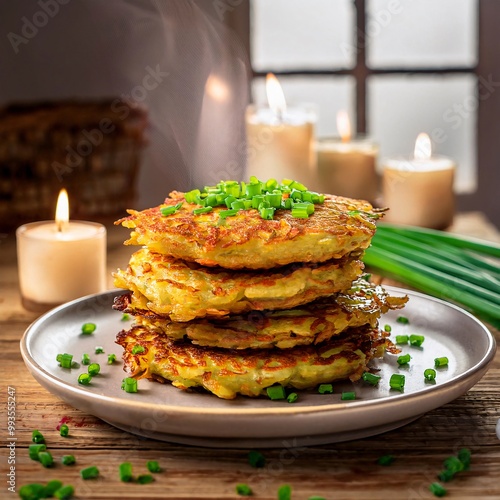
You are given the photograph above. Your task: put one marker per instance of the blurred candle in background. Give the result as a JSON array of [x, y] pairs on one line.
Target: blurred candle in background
[[60, 260], [346, 166], [419, 190], [280, 139]]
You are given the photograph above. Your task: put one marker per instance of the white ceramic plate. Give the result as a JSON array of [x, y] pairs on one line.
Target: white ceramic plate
[[163, 412]]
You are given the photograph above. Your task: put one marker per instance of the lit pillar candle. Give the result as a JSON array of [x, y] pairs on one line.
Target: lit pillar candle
[[419, 191], [60, 260], [280, 139], [347, 167]]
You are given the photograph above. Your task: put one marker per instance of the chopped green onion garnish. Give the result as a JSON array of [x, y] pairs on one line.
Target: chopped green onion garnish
[[404, 359], [285, 492], [138, 349], [89, 472], [51, 487], [464, 455], [129, 384], [85, 359], [387, 328], [402, 339], [271, 184], [88, 328], [276, 392], [37, 437], [348, 396], [32, 491], [437, 490], [170, 210], [256, 459], [446, 475], [45, 458], [35, 449], [440, 362], [145, 479], [430, 374], [370, 378], [403, 320], [257, 200], [416, 340], [65, 493], [153, 466], [84, 378], [453, 464], [65, 360], [125, 317], [267, 213], [203, 210], [397, 382], [227, 213], [243, 490], [238, 205], [292, 397], [298, 186], [287, 203], [64, 430], [125, 471], [254, 189], [68, 460], [325, 389], [229, 200], [94, 369], [274, 200], [386, 460], [211, 200], [111, 358], [191, 196], [99, 350], [299, 213]]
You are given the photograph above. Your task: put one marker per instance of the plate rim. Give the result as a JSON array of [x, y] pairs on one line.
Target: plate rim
[[397, 399]]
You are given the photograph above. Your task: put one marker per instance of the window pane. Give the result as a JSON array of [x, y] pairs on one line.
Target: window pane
[[428, 33], [328, 94], [302, 34], [445, 107]]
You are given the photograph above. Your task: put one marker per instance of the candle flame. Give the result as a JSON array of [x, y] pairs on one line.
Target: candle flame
[[62, 211], [275, 96], [217, 88], [344, 126], [423, 148]]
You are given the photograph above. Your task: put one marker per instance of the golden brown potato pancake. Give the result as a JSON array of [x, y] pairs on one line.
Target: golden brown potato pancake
[[337, 227], [226, 372], [183, 291]]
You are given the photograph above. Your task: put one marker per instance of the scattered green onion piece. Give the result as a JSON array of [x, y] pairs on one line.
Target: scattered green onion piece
[[89, 472], [285, 492], [416, 340], [170, 210], [397, 382], [325, 389], [348, 396], [138, 349], [273, 199], [85, 359], [204, 210], [271, 184], [440, 362], [99, 350], [125, 471], [84, 378], [68, 460], [232, 190], [65, 493], [111, 358], [254, 189], [32, 491], [238, 205], [307, 196], [227, 213], [437, 490], [464, 455], [267, 213], [66, 360], [145, 479], [299, 213], [125, 317], [446, 475], [298, 186], [248, 204], [229, 200], [211, 201], [296, 195], [221, 198], [453, 464], [402, 339], [94, 369], [370, 378], [286, 182], [256, 459], [35, 449], [88, 328], [257, 200], [276, 392], [243, 490], [403, 320], [404, 359], [51, 487], [287, 203], [37, 437], [315, 497], [129, 384], [308, 206], [292, 397], [64, 430], [430, 374], [386, 460], [387, 328], [45, 458], [153, 466], [191, 196]]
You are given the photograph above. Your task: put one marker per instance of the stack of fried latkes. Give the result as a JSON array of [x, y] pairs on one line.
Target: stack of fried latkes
[[239, 287]]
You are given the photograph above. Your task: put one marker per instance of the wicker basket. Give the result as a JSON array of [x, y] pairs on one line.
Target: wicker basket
[[93, 149]]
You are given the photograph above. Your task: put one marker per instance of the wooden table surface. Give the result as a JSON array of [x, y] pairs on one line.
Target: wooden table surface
[[335, 471]]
